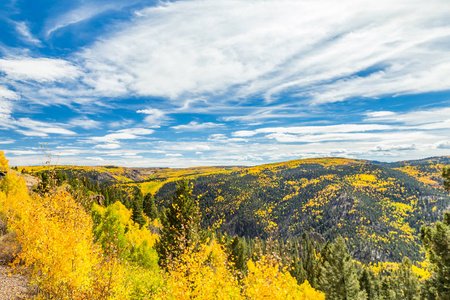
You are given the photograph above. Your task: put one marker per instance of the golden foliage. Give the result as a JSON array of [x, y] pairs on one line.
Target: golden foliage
[[55, 234], [266, 281], [201, 274], [3, 162]]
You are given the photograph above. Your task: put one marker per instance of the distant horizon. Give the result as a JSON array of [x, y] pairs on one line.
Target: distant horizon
[[239, 82], [225, 166]]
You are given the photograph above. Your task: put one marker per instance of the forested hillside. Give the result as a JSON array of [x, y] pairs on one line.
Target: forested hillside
[[327, 228], [377, 207]]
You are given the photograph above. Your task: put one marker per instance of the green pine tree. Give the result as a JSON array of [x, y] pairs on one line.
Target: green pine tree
[[406, 283], [369, 283], [179, 224], [428, 290], [238, 254], [137, 208], [446, 176], [436, 241], [297, 270], [309, 261], [338, 279], [149, 206], [386, 290]]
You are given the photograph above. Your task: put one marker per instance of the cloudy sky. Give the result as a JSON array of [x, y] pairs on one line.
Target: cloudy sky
[[232, 82]]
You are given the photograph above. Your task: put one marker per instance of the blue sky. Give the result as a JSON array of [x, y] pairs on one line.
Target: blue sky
[[235, 82]]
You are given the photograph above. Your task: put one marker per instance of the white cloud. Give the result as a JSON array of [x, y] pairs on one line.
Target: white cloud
[[312, 130], [38, 69], [6, 93], [123, 134], [85, 122], [222, 138], [5, 142], [174, 154], [390, 148], [38, 128], [155, 117], [95, 158], [418, 117], [31, 133], [191, 51], [81, 13], [316, 48], [22, 28], [6, 106], [108, 146], [121, 123], [193, 126], [22, 152]]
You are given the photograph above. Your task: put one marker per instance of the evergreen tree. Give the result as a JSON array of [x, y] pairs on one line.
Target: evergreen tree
[[297, 270], [338, 279], [179, 224], [386, 291], [406, 282], [446, 176], [150, 207], [137, 208], [238, 255], [436, 241], [368, 282], [309, 261], [428, 290]]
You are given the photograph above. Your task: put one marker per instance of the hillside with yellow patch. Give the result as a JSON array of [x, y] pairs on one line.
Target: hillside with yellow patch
[[378, 207]]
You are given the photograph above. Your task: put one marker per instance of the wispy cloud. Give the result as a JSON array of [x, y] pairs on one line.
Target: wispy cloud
[[41, 129], [85, 122], [38, 69], [108, 146], [155, 117], [193, 126], [316, 49], [85, 11], [24, 31], [5, 142], [6, 106], [417, 117], [308, 130], [123, 134], [226, 50]]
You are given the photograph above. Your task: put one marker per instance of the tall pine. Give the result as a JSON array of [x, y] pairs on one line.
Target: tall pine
[[436, 241], [369, 283], [149, 206], [309, 261], [238, 254], [137, 208], [339, 279], [179, 224]]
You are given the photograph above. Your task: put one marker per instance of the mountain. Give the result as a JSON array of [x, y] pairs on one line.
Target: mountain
[[377, 207]]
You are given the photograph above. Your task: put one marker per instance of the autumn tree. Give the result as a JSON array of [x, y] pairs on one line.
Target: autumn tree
[[179, 223]]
